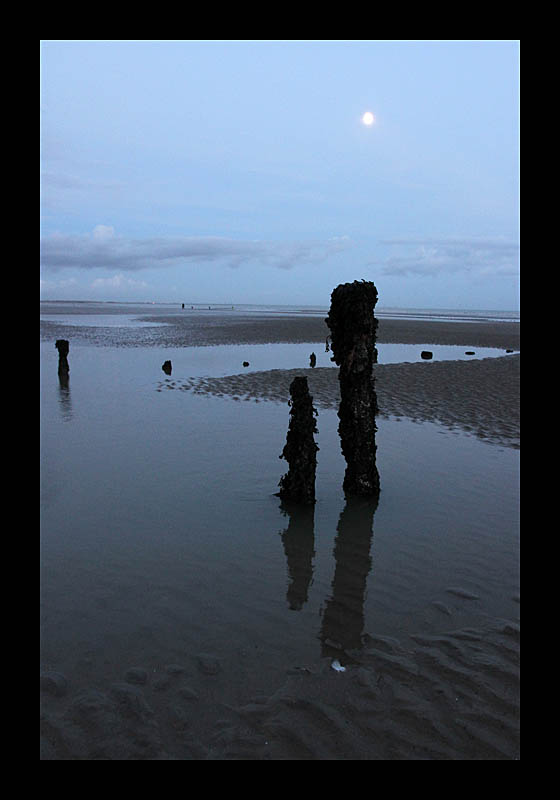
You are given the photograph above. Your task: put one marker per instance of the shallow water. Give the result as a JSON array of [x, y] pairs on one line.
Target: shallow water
[[162, 538], [221, 360], [106, 320]]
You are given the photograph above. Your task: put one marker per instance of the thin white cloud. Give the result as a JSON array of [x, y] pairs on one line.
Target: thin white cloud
[[435, 256], [104, 249]]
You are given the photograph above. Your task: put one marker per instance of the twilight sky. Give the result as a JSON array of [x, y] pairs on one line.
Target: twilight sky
[[240, 171]]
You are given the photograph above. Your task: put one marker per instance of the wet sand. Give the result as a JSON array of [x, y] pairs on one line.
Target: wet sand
[[216, 328], [198, 329], [479, 396], [452, 696]]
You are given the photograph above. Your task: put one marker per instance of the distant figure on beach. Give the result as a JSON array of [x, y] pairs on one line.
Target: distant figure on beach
[[63, 347], [182, 305], [312, 360]]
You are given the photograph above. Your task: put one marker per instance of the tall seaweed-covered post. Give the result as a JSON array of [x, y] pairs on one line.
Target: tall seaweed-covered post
[[300, 450], [353, 329], [63, 347]]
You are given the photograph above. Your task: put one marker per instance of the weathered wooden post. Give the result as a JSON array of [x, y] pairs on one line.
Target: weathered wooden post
[[353, 328], [63, 347], [300, 450]]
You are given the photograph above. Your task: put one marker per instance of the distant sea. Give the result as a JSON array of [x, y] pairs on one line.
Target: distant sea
[[382, 312]]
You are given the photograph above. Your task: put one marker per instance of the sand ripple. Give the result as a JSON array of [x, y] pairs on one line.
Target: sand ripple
[[452, 697], [448, 696]]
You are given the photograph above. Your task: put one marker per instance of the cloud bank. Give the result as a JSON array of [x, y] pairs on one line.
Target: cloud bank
[[103, 249], [434, 256]]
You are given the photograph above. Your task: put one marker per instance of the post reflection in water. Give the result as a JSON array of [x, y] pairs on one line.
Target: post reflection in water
[[299, 546], [343, 618], [64, 395]]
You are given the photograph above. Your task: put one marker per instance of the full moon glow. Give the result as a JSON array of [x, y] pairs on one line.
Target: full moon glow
[[368, 118]]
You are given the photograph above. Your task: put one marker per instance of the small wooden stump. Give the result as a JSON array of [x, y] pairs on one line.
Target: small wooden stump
[[63, 347]]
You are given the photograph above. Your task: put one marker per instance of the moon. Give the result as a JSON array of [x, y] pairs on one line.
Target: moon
[[368, 118]]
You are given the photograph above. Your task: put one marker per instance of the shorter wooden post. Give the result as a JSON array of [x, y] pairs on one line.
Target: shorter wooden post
[[300, 450]]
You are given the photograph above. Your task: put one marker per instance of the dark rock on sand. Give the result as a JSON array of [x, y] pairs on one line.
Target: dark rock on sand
[[166, 367], [426, 354]]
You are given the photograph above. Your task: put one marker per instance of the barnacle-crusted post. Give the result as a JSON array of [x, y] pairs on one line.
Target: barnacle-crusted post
[[353, 328], [300, 450], [63, 347]]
